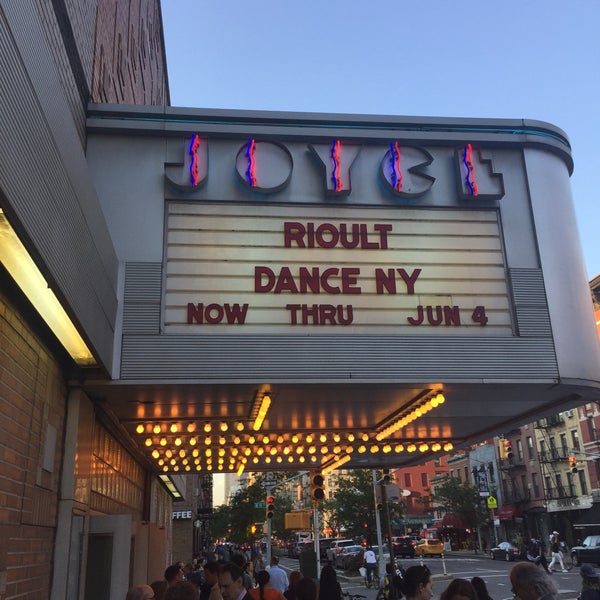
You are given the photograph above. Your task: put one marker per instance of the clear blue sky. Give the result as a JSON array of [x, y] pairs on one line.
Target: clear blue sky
[[506, 59]]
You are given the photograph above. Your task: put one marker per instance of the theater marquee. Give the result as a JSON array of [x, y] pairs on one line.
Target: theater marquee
[[242, 268]]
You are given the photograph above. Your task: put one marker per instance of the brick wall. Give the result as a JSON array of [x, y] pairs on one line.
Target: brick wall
[[129, 59], [32, 416]]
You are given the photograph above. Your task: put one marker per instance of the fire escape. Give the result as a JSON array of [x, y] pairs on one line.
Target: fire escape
[[512, 468], [559, 484]]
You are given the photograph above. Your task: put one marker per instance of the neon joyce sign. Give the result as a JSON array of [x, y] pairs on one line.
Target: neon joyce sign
[[267, 167]]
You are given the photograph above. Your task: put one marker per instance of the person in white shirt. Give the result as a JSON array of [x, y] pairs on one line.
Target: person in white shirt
[[370, 564], [279, 579]]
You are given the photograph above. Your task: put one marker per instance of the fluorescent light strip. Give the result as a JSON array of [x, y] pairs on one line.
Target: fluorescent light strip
[[23, 270]]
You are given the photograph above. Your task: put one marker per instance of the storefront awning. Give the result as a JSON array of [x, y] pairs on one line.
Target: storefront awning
[[589, 518], [451, 521], [508, 511]]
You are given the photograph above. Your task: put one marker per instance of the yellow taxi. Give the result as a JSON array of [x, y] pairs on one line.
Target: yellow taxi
[[429, 547]]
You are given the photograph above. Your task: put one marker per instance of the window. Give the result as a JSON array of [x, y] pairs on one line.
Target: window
[[575, 438], [520, 450], [553, 453], [524, 485], [548, 484], [591, 428], [536, 484], [571, 484], [563, 444], [582, 482], [407, 480], [466, 473], [559, 486], [424, 481], [543, 450], [529, 447]]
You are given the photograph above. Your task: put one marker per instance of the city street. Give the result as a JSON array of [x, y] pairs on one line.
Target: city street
[[494, 573]]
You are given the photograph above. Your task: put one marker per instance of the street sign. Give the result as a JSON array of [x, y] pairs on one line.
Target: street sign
[[259, 505]]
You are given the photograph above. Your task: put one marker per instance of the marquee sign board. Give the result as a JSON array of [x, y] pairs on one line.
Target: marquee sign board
[[237, 268]]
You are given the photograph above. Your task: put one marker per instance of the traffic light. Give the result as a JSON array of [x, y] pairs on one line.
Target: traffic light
[[379, 506], [317, 486], [270, 507], [252, 529], [386, 476], [573, 464], [509, 450]]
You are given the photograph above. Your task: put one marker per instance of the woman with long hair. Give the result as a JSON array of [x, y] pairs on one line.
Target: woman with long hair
[[459, 589], [416, 584], [329, 586], [294, 579], [264, 591]]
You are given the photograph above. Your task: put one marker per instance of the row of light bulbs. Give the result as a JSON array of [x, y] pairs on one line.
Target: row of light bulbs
[[180, 458], [411, 415], [177, 457]]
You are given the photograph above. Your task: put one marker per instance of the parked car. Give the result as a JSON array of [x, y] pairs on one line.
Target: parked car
[[404, 546], [324, 544], [429, 547], [335, 546], [346, 557], [587, 552], [505, 551]]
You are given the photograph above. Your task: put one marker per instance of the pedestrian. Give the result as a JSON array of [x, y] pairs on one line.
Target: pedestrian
[[265, 591], [231, 582], [542, 555], [140, 592], [279, 579], [529, 583], [306, 589], [415, 585], [210, 589], [329, 586], [160, 588], [557, 556], [590, 583], [242, 563], [291, 593], [182, 590], [459, 589], [481, 588], [173, 574], [370, 564], [536, 554]]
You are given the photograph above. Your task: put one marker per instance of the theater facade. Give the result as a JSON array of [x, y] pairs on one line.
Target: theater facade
[[206, 291]]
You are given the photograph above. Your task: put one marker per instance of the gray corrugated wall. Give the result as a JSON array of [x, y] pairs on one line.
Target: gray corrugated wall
[[147, 355], [44, 180]]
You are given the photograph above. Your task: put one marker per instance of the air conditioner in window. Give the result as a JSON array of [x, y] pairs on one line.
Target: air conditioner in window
[[569, 413]]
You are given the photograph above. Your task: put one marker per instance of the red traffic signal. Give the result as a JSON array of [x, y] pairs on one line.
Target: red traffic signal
[[573, 464], [270, 507]]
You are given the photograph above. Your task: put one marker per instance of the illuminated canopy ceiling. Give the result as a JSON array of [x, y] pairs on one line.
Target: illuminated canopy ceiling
[[196, 428]]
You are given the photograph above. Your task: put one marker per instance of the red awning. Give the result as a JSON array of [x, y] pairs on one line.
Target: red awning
[[452, 521], [507, 511]]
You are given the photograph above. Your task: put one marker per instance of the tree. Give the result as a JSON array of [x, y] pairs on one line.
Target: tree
[[221, 522], [462, 500], [353, 505]]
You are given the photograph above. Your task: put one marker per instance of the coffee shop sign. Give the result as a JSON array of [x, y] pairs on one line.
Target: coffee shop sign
[[267, 167]]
